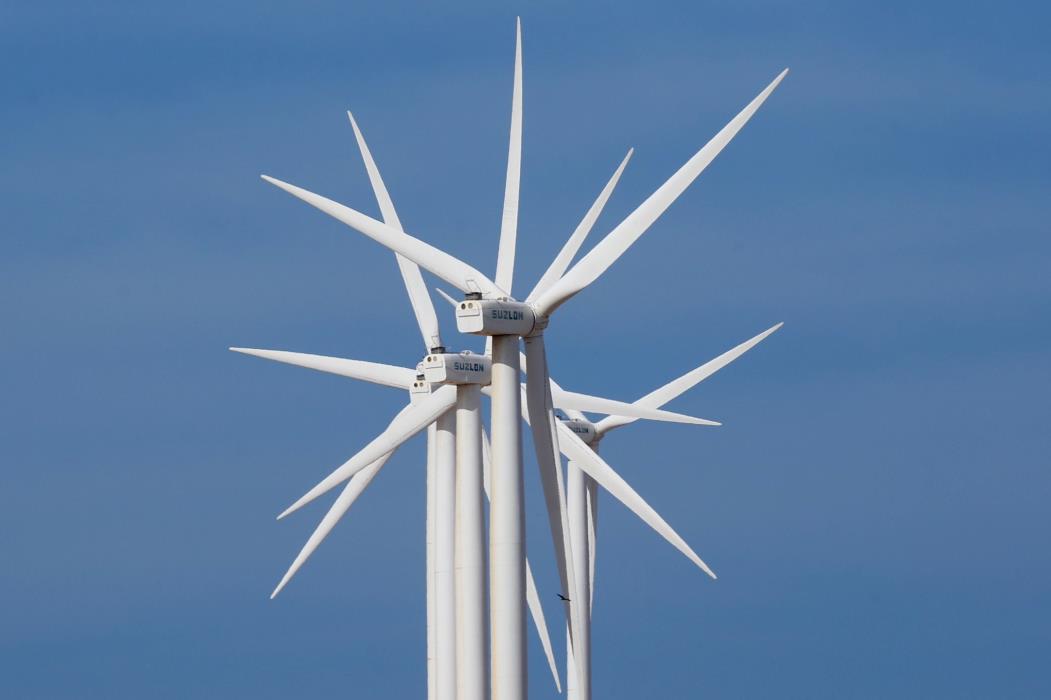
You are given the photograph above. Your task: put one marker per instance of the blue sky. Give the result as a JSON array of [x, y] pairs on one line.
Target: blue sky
[[875, 504]]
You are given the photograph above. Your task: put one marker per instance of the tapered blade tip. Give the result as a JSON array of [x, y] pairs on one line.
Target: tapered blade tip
[[705, 568], [280, 586]]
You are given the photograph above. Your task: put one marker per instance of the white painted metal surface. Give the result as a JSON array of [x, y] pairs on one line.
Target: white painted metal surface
[[472, 599], [536, 610], [431, 563], [494, 317], [444, 552], [457, 368], [507, 528], [576, 505]]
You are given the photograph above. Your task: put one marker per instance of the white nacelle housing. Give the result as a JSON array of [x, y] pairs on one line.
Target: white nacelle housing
[[584, 430], [457, 368], [494, 317], [420, 389]]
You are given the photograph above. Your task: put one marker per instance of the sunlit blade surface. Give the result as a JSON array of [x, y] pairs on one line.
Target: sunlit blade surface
[[410, 272], [595, 467], [375, 372], [412, 419], [679, 386], [573, 403], [536, 610], [592, 530], [505, 258], [454, 271], [444, 295], [357, 484], [569, 250], [595, 404], [603, 255], [542, 422]]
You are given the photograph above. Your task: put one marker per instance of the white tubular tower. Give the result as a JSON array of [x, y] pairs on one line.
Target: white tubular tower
[[445, 566], [507, 527], [578, 668], [472, 633]]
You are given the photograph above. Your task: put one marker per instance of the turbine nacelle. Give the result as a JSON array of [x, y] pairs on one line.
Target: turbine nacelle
[[496, 317], [458, 368], [420, 388], [584, 429]]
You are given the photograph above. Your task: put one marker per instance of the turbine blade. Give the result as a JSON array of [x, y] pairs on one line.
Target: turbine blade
[[422, 306], [536, 610], [357, 484], [594, 404], [486, 461], [595, 467], [565, 256], [573, 403], [375, 372], [603, 255], [679, 386], [505, 257], [412, 419], [442, 293], [592, 530], [541, 418], [436, 261]]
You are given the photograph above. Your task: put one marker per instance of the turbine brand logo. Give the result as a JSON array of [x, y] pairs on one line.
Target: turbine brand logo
[[580, 430], [506, 314], [467, 366]]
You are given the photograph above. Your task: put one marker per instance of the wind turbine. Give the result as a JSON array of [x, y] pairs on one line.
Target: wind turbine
[[582, 500], [456, 594], [488, 309], [444, 434]]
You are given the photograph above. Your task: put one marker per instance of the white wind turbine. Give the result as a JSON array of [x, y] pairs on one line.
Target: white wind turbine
[[456, 592], [448, 600], [489, 310], [581, 491], [582, 503]]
